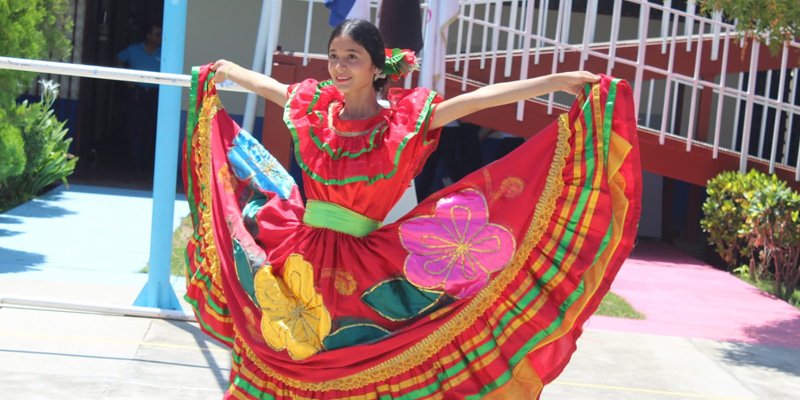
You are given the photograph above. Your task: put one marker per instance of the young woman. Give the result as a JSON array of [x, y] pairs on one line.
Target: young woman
[[479, 291]]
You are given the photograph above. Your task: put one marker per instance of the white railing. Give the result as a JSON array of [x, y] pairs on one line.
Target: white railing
[[700, 103]]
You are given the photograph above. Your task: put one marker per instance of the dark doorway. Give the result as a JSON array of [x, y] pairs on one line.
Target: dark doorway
[[102, 141]]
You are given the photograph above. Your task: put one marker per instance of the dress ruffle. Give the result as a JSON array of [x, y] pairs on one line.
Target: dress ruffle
[[335, 159], [535, 239]]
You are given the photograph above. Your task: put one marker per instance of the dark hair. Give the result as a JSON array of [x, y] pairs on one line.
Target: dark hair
[[369, 37]]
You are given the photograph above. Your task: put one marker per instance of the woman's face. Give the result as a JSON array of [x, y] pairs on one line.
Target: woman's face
[[350, 66]]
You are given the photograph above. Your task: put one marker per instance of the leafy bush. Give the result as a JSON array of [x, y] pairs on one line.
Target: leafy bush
[[756, 217], [46, 149], [31, 29], [12, 150], [725, 212], [774, 217], [770, 22]]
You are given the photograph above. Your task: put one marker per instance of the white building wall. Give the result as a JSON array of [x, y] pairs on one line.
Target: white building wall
[[228, 30]]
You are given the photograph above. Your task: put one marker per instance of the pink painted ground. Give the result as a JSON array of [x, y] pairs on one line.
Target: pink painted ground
[[682, 296]]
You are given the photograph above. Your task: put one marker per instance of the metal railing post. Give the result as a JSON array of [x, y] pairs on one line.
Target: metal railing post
[[158, 292]]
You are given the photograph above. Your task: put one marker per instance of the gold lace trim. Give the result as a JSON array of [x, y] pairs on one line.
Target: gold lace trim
[[431, 345], [201, 145]]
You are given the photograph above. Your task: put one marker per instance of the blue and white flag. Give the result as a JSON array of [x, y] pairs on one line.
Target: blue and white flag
[[347, 9]]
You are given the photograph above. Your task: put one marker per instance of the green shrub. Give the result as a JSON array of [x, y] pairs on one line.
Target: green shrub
[[774, 216], [46, 149], [12, 150], [31, 29], [771, 22], [725, 211], [756, 217]]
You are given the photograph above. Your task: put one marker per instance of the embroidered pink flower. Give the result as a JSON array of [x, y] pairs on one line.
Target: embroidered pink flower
[[456, 249]]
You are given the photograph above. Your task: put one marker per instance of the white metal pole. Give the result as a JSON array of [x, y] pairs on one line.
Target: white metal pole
[[565, 29], [668, 83], [644, 21], [61, 304], [673, 117], [717, 28], [459, 39], [540, 28], [721, 96], [695, 80], [110, 73], [470, 28], [665, 14], [688, 27], [612, 48], [307, 38], [739, 85], [748, 110], [764, 113], [258, 64], [487, 7], [274, 32], [510, 38], [498, 11], [526, 53], [649, 103], [778, 110], [788, 134], [588, 26]]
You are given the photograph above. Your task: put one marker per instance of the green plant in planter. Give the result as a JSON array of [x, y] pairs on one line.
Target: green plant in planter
[[725, 211], [757, 217], [46, 149], [12, 150], [774, 215]]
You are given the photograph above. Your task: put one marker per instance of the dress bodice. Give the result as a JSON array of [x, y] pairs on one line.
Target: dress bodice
[[368, 172]]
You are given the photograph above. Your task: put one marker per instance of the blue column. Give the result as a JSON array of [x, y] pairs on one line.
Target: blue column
[[158, 291]]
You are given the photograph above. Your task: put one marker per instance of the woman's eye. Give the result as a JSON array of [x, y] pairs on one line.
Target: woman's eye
[[352, 57], [331, 57]]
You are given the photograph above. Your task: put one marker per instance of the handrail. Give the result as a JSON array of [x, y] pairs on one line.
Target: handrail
[[110, 73]]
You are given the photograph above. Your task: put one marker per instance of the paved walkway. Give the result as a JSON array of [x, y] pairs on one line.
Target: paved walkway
[[706, 336]]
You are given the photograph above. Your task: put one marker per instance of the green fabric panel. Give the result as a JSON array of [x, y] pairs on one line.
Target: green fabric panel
[[250, 389], [208, 328], [354, 334], [566, 238], [398, 300], [244, 270], [609, 114], [322, 214], [190, 127]]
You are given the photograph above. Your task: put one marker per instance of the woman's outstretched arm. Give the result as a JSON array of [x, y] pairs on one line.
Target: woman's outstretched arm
[[260, 84], [508, 92]]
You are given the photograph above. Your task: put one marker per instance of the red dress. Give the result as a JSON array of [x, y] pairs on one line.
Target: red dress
[[479, 291]]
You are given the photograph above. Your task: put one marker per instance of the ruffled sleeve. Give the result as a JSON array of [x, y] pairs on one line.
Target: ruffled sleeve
[[393, 144]]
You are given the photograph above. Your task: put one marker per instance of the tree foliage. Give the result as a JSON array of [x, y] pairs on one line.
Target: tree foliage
[[755, 218], [772, 22], [31, 29]]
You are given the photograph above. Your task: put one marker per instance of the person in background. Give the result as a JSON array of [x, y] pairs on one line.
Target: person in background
[[142, 99]]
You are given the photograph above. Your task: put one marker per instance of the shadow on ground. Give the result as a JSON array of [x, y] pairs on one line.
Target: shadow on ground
[[203, 340], [18, 261], [778, 348], [39, 209]]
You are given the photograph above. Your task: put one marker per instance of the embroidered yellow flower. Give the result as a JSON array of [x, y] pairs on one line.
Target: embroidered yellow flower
[[293, 314]]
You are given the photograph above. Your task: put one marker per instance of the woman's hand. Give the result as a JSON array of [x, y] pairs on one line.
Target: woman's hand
[[222, 69], [573, 82]]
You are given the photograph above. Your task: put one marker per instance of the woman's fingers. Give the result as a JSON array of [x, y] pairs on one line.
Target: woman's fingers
[[219, 67]]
